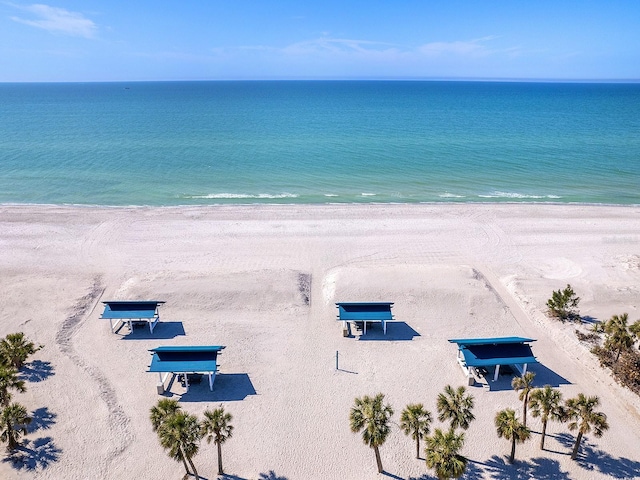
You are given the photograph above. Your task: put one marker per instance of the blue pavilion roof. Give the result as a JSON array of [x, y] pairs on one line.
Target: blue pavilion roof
[[361, 311], [490, 340], [127, 310], [484, 352], [185, 359]]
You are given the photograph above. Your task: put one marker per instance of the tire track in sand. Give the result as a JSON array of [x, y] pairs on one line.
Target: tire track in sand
[[118, 421]]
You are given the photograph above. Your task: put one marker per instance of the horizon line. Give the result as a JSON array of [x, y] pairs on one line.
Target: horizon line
[[352, 79]]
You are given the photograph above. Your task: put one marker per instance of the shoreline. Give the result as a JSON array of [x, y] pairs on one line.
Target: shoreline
[[327, 204], [230, 276]]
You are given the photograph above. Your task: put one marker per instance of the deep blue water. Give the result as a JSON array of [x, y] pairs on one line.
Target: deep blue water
[[185, 143]]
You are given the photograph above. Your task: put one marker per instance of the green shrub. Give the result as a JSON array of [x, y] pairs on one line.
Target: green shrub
[[563, 305]]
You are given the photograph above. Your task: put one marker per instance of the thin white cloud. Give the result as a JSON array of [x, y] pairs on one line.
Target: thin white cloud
[[326, 44], [57, 20], [327, 47], [328, 55], [475, 48]]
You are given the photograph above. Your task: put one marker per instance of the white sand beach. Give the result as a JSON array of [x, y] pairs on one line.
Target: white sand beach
[[232, 276]]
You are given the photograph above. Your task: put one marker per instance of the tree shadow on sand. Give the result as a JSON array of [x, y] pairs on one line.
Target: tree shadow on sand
[[391, 475], [589, 320], [473, 472], [592, 458], [41, 419], [425, 477], [34, 455], [36, 371], [540, 468], [271, 475]]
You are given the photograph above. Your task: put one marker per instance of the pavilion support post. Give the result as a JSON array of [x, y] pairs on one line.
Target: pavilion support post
[[365, 327], [111, 323], [497, 373], [211, 379], [186, 381], [524, 370], [384, 327], [160, 384]]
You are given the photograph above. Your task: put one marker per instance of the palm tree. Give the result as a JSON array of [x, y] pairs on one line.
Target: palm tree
[[455, 406], [217, 427], [524, 383], [15, 349], [584, 418], [442, 454], [509, 427], [372, 417], [9, 380], [546, 404], [415, 421], [180, 433], [13, 424], [634, 328], [163, 410], [618, 336]]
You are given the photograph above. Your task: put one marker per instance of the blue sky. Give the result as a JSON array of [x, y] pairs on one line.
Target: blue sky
[[112, 40]]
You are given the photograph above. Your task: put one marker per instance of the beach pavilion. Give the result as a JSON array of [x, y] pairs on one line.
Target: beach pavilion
[[184, 360], [131, 311], [362, 312], [478, 354]]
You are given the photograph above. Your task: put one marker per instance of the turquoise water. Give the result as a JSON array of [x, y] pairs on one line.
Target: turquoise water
[[186, 143]]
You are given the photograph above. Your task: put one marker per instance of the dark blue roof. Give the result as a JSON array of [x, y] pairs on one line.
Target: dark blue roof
[[485, 352], [490, 341], [187, 359], [361, 311], [121, 310], [505, 354]]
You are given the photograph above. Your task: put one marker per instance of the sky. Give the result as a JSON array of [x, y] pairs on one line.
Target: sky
[[145, 40]]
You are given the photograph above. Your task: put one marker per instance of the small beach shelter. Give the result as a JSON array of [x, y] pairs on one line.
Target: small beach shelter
[[480, 353], [173, 360], [131, 311], [365, 312]]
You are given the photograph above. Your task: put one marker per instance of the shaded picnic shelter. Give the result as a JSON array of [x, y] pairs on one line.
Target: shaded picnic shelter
[[131, 312], [364, 312], [184, 360], [476, 355]]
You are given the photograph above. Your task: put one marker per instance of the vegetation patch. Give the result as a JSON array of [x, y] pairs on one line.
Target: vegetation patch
[[626, 371], [590, 337]]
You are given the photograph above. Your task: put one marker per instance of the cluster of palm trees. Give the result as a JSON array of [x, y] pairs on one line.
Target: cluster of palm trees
[[546, 403], [619, 335], [180, 433], [372, 417], [15, 348]]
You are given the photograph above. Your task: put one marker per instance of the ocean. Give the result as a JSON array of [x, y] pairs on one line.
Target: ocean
[[316, 142]]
